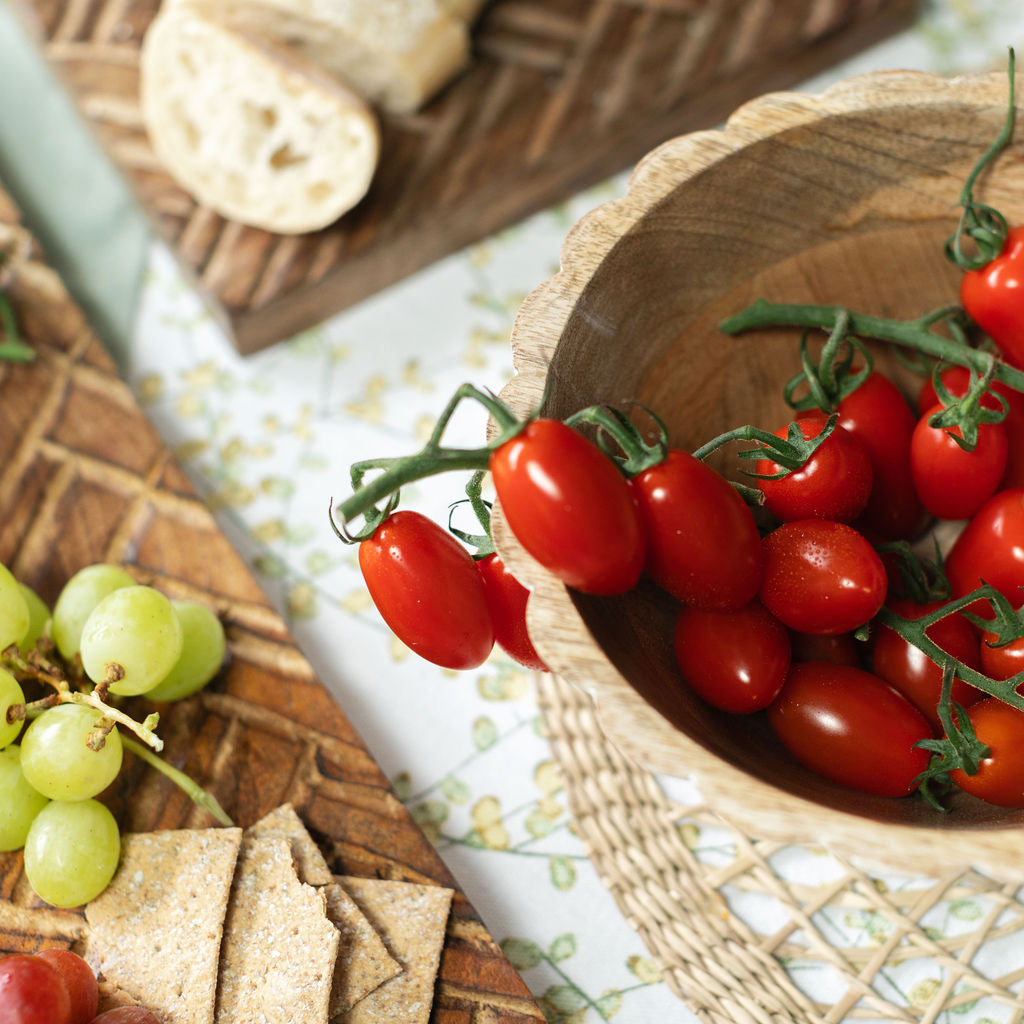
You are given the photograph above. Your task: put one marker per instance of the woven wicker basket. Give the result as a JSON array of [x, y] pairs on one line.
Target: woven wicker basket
[[843, 198]]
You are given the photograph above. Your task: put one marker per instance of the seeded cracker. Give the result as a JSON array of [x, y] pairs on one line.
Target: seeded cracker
[[363, 960], [412, 920], [279, 949], [155, 933]]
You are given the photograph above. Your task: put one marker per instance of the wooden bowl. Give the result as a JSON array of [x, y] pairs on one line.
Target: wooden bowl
[[842, 198]]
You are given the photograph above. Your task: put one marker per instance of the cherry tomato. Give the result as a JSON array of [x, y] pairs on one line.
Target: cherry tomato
[[735, 660], [702, 542], [993, 296], [851, 727], [840, 649], [1001, 662], [880, 418], [428, 590], [953, 483], [991, 549], [506, 599], [912, 672], [79, 980], [571, 508], [834, 483], [821, 577], [957, 380], [1000, 776], [32, 992]]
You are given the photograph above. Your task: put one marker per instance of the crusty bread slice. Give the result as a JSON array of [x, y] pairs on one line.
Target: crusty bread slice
[[250, 130], [396, 54], [467, 10]]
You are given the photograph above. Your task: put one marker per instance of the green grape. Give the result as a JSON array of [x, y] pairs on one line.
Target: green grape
[[56, 759], [19, 802], [136, 628], [79, 596], [10, 693], [13, 610], [71, 852], [38, 618], [202, 652]]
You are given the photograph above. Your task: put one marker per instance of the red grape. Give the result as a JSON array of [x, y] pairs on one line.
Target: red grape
[[32, 992], [79, 981]]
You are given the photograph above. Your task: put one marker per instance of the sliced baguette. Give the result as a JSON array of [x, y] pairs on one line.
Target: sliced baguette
[[467, 10], [251, 131], [396, 54]]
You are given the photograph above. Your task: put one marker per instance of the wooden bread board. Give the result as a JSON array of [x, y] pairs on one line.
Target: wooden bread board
[[561, 93], [85, 478]]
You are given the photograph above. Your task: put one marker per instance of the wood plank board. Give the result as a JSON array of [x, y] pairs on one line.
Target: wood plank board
[[561, 93], [84, 477]]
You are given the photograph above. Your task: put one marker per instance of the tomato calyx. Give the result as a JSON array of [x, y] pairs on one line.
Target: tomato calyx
[[985, 226], [922, 580], [958, 750], [482, 544], [1007, 625], [631, 452], [966, 413]]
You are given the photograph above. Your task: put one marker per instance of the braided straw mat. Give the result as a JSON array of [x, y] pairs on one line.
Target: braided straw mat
[[845, 943]]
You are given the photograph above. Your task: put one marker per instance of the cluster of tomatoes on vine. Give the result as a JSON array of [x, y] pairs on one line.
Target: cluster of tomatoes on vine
[[876, 669]]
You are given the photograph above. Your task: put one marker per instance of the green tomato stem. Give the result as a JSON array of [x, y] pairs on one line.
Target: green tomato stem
[[913, 334], [191, 788], [914, 631]]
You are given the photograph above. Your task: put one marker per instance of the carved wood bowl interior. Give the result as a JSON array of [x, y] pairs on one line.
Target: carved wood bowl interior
[[842, 198]]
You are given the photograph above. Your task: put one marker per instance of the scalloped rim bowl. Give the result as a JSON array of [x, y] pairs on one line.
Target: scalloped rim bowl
[[846, 197]]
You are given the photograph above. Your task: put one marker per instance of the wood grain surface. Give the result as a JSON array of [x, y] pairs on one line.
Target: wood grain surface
[[84, 478], [561, 93], [843, 199]]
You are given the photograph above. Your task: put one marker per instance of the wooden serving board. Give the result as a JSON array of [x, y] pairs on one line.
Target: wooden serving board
[[561, 94], [85, 478]]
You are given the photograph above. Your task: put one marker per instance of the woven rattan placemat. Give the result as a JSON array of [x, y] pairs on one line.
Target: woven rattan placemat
[[752, 931]]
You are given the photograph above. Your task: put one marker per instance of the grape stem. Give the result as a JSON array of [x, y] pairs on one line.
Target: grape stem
[[189, 786], [48, 673]]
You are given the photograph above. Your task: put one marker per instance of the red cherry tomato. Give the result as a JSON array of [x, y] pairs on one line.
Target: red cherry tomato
[[953, 483], [428, 590], [994, 297], [1001, 662], [991, 549], [821, 577], [79, 980], [840, 649], [880, 418], [957, 380], [735, 660], [912, 672], [851, 727], [571, 508], [506, 599], [1000, 776], [32, 992], [834, 483], [702, 542]]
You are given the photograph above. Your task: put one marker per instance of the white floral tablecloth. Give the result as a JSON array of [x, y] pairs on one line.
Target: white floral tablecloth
[[268, 440]]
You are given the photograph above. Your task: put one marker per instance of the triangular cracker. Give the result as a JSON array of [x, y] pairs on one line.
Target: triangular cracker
[[411, 919], [363, 960], [155, 932], [279, 948]]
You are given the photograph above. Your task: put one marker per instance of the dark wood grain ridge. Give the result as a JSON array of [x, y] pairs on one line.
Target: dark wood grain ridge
[[561, 94], [84, 478]]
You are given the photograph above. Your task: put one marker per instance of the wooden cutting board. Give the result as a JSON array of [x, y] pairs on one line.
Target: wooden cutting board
[[84, 478], [561, 94]]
